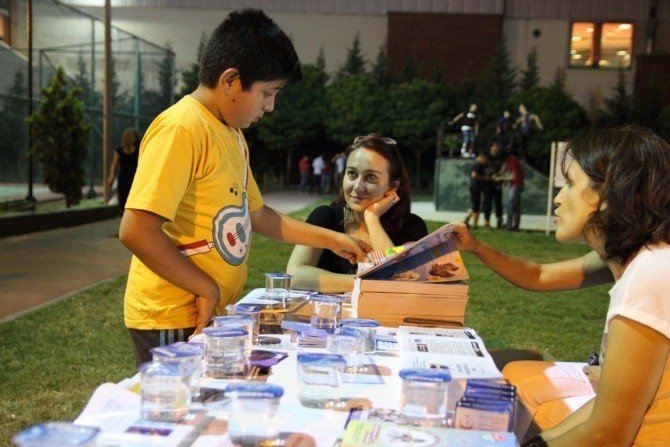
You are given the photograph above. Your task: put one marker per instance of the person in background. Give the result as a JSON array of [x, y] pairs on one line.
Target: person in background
[[526, 122], [374, 206], [125, 160], [317, 171], [504, 131], [194, 201], [513, 172], [469, 130], [478, 184], [493, 199], [615, 200], [339, 161], [303, 167]]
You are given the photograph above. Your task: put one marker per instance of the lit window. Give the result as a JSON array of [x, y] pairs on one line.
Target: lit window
[[605, 45]]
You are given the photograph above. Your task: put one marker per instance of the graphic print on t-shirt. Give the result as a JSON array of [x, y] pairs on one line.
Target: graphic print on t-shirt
[[232, 232]]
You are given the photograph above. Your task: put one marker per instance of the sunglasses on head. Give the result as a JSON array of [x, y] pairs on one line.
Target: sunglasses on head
[[362, 138]]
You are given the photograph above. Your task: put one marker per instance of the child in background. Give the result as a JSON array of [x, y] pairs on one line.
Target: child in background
[[194, 201]]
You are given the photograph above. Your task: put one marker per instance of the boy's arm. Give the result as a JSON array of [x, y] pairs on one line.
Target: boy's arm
[[141, 232], [272, 224]]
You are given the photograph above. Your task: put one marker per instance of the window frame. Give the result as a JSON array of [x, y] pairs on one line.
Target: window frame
[[597, 46]]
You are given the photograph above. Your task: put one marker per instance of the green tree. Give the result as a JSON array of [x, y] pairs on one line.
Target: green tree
[[380, 70], [356, 106], [530, 76], [417, 109], [355, 63], [296, 124], [618, 108], [191, 76], [60, 137], [155, 101]]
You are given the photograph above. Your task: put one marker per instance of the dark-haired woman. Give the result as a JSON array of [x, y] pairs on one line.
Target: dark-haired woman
[[374, 207], [616, 200]]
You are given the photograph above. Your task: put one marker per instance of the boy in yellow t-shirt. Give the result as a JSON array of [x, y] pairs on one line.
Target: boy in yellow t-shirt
[[194, 201]]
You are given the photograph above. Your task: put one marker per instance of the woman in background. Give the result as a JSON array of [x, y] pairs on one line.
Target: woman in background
[[125, 160], [374, 207]]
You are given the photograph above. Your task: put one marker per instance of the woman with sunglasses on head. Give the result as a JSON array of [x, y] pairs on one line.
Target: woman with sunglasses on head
[[374, 207], [617, 201]]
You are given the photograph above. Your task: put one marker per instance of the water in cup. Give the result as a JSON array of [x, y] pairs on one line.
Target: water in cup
[[189, 357], [252, 311], [165, 393], [423, 398], [320, 376], [56, 434], [253, 413], [326, 311], [368, 327], [224, 352], [277, 286]]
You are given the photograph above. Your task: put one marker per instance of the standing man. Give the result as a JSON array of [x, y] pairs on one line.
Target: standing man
[[515, 176], [317, 170], [303, 166], [469, 130], [494, 197], [525, 123]]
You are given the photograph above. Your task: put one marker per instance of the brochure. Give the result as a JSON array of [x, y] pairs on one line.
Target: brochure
[[434, 258]]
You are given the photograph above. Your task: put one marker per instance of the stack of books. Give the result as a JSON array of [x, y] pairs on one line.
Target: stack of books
[[486, 405], [420, 285]]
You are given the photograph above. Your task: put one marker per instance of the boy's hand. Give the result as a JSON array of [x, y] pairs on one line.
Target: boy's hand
[[464, 239], [349, 248], [205, 307], [384, 204]]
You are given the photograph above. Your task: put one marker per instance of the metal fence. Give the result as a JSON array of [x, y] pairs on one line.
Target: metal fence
[[143, 79]]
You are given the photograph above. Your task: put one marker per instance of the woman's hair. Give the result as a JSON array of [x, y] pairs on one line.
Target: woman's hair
[[630, 168], [130, 136], [397, 215]]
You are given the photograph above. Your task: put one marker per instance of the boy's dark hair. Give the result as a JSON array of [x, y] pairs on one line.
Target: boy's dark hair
[[630, 168], [251, 42]]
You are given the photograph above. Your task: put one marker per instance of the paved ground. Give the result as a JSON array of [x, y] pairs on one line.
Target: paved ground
[[40, 268]]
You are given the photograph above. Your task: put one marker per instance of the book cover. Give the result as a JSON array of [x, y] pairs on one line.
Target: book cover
[[434, 258], [367, 433]]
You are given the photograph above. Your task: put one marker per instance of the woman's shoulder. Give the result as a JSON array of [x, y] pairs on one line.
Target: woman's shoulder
[[326, 215]]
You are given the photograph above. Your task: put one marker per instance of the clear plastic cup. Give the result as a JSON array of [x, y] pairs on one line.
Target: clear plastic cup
[[244, 321], [277, 286], [253, 413], [423, 398], [189, 357], [224, 352], [56, 434], [252, 311], [368, 326], [350, 344], [165, 393], [319, 378], [326, 311]]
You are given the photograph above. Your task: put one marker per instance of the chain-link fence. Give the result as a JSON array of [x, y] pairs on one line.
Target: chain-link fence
[[142, 84]]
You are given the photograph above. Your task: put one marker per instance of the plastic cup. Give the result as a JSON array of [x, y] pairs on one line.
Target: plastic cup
[[224, 352], [56, 434], [319, 378], [189, 357], [240, 321], [277, 286], [326, 311], [165, 393], [368, 327], [253, 413], [423, 398], [350, 344], [249, 310]]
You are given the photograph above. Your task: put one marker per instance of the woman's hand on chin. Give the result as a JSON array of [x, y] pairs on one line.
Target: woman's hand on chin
[[382, 205]]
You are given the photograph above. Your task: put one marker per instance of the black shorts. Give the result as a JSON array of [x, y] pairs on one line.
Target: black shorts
[[145, 340]]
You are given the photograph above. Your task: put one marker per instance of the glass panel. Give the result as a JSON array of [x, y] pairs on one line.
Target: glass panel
[[616, 45], [582, 44]]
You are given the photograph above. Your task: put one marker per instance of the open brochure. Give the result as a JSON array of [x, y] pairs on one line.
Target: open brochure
[[459, 351], [433, 258]]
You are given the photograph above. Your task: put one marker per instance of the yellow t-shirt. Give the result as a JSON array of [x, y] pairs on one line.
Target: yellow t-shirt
[[193, 171]]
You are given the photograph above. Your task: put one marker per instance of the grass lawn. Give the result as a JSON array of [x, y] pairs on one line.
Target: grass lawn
[[52, 359]]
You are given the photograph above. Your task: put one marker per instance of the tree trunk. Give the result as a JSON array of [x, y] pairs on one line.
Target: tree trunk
[[289, 158], [417, 170]]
